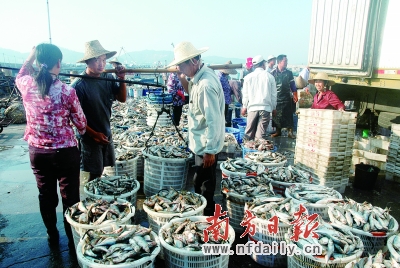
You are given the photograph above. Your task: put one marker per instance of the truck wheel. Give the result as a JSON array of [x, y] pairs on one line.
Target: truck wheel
[[386, 119]]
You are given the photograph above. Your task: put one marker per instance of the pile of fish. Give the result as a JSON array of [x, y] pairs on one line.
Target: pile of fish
[[98, 211], [266, 157], [290, 174], [189, 235], [172, 201], [362, 216], [241, 165], [311, 193], [373, 261], [230, 138], [111, 185], [125, 244], [128, 139], [335, 243], [395, 243], [249, 186], [168, 151], [259, 144], [268, 207]]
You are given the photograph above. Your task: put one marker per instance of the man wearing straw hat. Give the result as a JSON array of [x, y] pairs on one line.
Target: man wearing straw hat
[[96, 97], [223, 78], [206, 124], [259, 99]]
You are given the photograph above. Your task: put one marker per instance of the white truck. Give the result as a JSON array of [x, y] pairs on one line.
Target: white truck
[[357, 42]]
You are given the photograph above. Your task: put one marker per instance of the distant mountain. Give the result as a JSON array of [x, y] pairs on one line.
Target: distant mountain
[[144, 57]]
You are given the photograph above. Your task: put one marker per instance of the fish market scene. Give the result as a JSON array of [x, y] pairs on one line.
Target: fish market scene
[[156, 134]]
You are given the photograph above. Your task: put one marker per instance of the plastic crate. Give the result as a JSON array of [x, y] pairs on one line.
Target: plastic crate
[[130, 196], [160, 173], [144, 262], [308, 261], [261, 234], [79, 229], [176, 257], [159, 219], [123, 167]]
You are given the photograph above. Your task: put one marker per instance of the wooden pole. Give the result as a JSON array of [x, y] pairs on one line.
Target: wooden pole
[[173, 69]]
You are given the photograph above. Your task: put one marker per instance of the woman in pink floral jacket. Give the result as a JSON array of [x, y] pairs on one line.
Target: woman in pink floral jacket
[[50, 107]]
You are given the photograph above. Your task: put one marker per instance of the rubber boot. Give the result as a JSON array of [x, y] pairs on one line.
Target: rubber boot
[[50, 221], [290, 134], [277, 133]]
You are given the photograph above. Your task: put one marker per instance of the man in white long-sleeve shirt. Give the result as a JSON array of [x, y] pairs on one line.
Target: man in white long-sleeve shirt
[[206, 120], [259, 99]]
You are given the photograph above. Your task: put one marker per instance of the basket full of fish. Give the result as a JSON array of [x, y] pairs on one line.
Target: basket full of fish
[[377, 260], [240, 167], [314, 197], [169, 203], [337, 248], [182, 240], [119, 246], [372, 224], [267, 158], [165, 167], [239, 190], [123, 187], [282, 177], [95, 213], [264, 209], [393, 245], [125, 163]]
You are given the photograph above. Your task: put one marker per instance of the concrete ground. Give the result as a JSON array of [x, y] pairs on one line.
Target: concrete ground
[[23, 241]]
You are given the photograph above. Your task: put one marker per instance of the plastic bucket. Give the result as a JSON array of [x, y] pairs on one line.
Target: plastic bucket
[[235, 121], [233, 131], [365, 176]]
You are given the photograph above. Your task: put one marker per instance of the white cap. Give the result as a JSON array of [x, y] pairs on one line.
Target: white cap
[[270, 57], [257, 59]]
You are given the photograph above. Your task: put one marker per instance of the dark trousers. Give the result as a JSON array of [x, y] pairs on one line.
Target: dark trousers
[[176, 114], [228, 122], [204, 181], [50, 166]]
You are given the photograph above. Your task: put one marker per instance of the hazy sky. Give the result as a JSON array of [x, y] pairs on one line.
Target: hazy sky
[[237, 29]]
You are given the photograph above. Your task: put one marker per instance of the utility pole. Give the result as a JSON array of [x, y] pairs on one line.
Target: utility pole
[[48, 18]]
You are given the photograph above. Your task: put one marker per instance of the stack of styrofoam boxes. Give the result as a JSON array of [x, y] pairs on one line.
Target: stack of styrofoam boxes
[[393, 158], [324, 145], [372, 151]]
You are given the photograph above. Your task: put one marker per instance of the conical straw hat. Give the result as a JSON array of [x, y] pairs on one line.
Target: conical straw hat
[[185, 51], [93, 49], [229, 71], [321, 76]]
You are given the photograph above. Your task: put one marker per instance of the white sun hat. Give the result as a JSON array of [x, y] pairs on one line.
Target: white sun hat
[[185, 51], [257, 59]]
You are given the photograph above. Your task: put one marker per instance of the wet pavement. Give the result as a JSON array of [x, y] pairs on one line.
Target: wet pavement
[[23, 238]]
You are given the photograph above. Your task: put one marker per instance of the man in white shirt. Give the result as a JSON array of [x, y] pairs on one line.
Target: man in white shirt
[[259, 99]]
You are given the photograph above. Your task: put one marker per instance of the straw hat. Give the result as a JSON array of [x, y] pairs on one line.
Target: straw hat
[[93, 49], [321, 76], [229, 71], [270, 57], [185, 51], [115, 60]]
